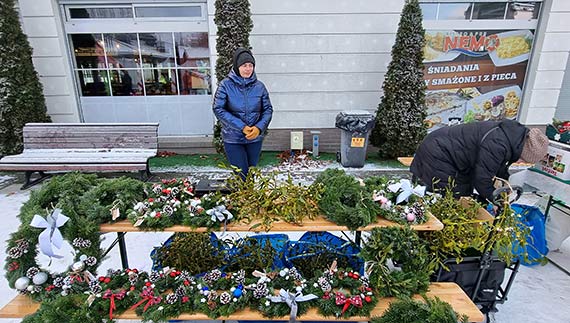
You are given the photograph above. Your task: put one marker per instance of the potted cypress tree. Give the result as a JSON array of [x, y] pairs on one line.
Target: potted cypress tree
[[400, 115], [233, 20]]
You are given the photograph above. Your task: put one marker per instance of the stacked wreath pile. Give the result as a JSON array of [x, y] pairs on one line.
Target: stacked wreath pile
[[173, 202]]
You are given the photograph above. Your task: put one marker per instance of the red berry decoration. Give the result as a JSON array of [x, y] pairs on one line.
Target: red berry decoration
[[107, 280], [101, 279], [368, 299]]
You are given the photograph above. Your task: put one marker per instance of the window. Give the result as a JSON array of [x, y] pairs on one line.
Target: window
[[100, 13], [454, 11], [481, 10], [134, 11], [122, 64], [168, 11]]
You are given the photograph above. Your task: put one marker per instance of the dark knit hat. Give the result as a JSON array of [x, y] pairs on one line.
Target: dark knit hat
[[242, 56], [535, 146]]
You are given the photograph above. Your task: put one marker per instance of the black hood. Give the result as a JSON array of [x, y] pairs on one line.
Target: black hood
[[516, 134], [237, 53]]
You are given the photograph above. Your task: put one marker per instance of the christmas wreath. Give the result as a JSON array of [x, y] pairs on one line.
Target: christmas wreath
[[344, 201], [173, 202], [400, 201], [49, 219], [397, 261], [343, 293]]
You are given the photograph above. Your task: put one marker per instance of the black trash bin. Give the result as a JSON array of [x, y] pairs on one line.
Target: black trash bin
[[356, 126]]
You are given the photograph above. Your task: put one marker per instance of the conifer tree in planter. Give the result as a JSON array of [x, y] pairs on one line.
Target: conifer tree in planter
[[233, 19], [21, 97], [400, 116]]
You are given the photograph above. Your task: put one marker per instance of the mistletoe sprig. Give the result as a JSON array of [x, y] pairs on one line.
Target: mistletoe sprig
[[266, 199]]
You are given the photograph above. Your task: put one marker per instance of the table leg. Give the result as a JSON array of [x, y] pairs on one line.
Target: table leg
[[123, 250]]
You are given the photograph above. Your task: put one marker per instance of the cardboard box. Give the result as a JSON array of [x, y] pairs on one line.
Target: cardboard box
[[557, 163]]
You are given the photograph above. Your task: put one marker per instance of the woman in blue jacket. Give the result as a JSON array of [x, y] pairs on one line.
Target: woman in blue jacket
[[242, 106]]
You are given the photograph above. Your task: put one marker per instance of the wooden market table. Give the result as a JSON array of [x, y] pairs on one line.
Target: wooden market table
[[320, 223], [451, 293]]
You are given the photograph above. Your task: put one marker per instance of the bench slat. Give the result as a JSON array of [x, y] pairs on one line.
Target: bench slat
[[83, 145], [73, 167], [88, 130]]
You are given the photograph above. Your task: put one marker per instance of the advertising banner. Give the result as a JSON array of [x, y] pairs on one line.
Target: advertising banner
[[474, 75]]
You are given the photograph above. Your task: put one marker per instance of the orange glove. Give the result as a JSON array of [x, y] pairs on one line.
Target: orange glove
[[246, 130], [254, 133]]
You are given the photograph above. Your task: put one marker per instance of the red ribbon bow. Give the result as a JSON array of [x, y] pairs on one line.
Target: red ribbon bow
[[112, 296], [341, 299], [147, 296]]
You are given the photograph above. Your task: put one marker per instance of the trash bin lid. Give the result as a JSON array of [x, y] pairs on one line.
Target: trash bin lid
[[356, 112]]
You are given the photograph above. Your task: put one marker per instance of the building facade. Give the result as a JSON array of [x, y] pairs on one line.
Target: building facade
[[149, 60]]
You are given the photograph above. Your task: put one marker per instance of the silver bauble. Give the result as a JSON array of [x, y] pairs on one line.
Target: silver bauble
[[78, 266], [22, 283], [83, 257], [40, 278]]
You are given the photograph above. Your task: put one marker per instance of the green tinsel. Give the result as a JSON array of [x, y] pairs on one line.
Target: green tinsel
[[433, 310], [344, 201], [403, 247]]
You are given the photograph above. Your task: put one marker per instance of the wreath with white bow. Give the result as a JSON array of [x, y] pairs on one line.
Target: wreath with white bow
[[36, 248]]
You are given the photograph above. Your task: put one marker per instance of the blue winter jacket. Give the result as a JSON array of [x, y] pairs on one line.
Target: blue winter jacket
[[241, 102]]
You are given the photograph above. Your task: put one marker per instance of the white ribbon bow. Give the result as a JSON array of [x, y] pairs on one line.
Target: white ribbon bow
[[291, 300], [407, 190], [51, 236], [220, 213]]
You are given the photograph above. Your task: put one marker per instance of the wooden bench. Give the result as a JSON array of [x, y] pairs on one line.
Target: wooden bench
[[86, 147]]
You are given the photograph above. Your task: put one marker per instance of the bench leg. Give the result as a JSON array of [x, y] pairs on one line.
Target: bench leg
[[145, 175], [29, 183]]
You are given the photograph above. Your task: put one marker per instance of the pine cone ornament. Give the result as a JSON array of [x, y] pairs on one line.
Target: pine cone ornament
[[294, 273], [185, 275], [15, 253], [171, 298], [212, 296], [225, 298], [58, 282], [95, 287], [418, 211], [260, 291], [67, 282], [81, 243], [23, 245], [30, 273], [90, 261], [157, 189], [133, 277], [240, 277], [365, 281], [168, 210], [174, 191], [324, 284], [212, 276], [37, 289], [180, 291], [154, 276]]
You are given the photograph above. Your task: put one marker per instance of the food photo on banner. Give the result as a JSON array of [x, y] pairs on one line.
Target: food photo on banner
[[474, 75]]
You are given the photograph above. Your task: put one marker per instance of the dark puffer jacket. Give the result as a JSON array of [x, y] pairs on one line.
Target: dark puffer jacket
[[470, 155], [241, 102]]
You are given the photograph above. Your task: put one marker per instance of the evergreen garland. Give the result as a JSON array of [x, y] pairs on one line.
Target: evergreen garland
[[233, 22], [344, 201], [112, 194], [21, 97], [400, 116], [399, 261], [433, 310]]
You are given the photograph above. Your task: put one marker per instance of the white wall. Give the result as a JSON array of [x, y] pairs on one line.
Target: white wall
[[42, 25], [318, 57], [546, 74]]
